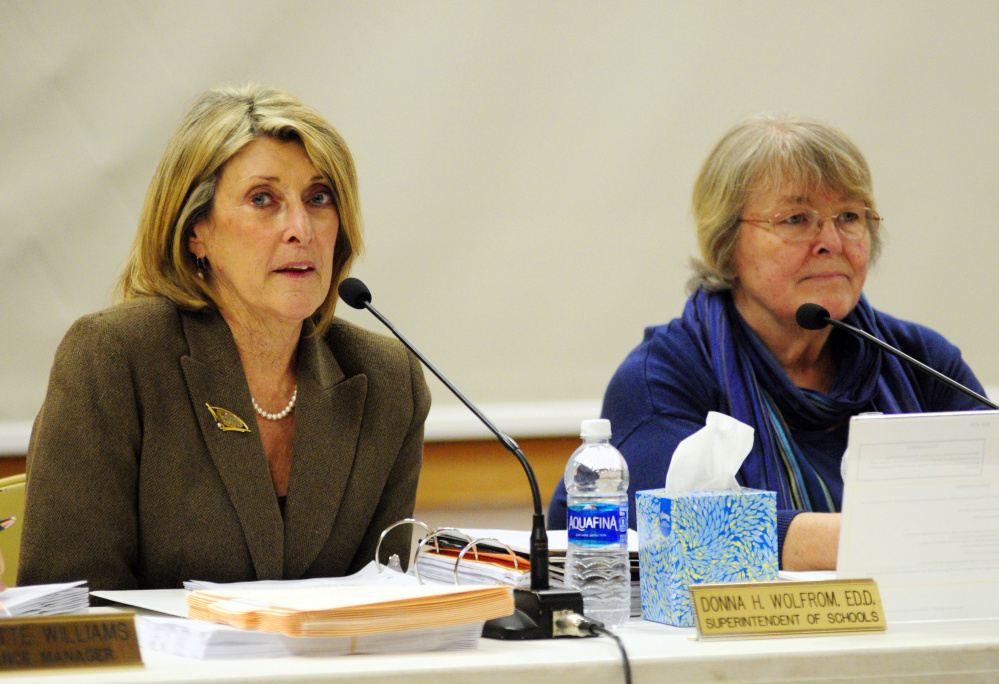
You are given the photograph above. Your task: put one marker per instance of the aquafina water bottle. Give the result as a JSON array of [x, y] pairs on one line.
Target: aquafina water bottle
[[597, 563]]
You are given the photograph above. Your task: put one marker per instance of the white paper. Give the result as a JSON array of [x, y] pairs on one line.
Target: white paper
[[708, 460], [921, 513], [367, 576], [45, 599], [806, 575], [167, 601], [206, 640], [438, 569], [171, 601]]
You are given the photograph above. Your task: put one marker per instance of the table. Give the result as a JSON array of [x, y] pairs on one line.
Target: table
[[966, 651]]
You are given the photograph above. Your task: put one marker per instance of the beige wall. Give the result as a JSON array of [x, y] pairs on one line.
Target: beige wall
[[525, 167]]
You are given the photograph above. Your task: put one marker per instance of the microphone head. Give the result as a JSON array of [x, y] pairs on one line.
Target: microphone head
[[354, 292], [812, 316]]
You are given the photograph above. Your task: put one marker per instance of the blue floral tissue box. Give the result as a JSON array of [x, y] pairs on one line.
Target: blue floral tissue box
[[701, 538]]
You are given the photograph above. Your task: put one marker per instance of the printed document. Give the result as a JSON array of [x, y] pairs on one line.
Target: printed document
[[921, 513]]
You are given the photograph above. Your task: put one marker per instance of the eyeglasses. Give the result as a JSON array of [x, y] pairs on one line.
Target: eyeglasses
[[798, 225]]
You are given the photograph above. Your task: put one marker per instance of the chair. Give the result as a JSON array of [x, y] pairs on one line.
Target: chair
[[11, 505]]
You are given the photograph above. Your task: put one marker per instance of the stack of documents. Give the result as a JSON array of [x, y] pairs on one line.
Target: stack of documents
[[486, 566], [45, 599], [494, 564], [175, 634], [197, 639], [350, 611]]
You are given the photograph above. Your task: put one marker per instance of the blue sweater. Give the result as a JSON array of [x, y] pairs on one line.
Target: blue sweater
[[665, 388]]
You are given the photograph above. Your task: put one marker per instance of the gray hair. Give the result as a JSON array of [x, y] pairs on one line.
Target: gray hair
[[765, 151]]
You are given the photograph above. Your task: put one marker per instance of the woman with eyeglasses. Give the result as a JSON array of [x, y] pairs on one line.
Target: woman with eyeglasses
[[785, 216]]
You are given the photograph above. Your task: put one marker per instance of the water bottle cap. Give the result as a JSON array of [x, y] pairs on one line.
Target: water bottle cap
[[595, 429]]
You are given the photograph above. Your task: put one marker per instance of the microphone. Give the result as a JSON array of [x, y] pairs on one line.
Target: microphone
[[812, 316], [537, 609], [356, 294], [815, 317]]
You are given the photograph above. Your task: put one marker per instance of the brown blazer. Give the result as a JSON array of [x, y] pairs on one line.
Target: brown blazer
[[131, 484]]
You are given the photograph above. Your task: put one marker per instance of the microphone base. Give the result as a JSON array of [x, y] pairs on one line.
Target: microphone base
[[535, 615]]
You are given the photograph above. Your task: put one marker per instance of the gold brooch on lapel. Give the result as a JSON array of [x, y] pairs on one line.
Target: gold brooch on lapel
[[226, 420]]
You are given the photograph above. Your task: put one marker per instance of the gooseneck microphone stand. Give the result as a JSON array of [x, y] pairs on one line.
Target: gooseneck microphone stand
[[539, 609], [815, 317]]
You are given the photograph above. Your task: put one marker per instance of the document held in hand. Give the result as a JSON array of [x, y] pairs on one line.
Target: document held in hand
[[349, 611]]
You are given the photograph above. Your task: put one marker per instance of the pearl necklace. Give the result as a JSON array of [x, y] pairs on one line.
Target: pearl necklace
[[279, 415]]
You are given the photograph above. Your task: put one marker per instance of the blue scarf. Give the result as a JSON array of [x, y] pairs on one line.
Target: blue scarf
[[761, 394]]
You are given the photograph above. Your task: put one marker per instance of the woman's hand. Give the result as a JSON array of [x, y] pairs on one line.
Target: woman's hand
[[811, 542], [2, 568]]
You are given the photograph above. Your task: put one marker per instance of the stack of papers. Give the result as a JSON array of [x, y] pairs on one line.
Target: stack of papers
[[45, 599], [350, 611], [486, 567], [196, 639], [184, 637], [496, 566]]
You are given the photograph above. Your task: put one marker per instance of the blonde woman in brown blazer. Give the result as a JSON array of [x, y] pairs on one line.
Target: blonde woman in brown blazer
[[220, 423]]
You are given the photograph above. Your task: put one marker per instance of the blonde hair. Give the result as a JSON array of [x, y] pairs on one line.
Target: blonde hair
[[765, 151], [219, 124]]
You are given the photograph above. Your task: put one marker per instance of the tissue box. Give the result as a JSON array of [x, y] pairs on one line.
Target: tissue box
[[701, 538]]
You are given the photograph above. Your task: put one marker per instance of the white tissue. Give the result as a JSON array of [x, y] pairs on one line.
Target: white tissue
[[709, 459]]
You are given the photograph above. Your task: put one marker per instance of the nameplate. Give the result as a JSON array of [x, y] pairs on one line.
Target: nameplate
[[100, 640], [787, 608]]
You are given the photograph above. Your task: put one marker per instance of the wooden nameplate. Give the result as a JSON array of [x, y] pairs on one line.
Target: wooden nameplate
[[79, 640], [787, 608]]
